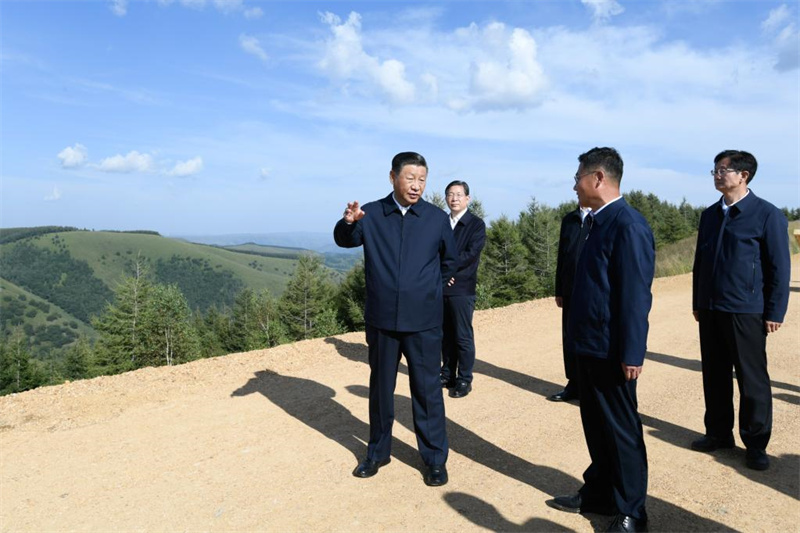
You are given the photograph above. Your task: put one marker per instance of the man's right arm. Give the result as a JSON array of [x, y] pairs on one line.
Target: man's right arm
[[348, 232]]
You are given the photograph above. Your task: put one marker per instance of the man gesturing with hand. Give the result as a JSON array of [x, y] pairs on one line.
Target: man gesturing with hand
[[409, 255]]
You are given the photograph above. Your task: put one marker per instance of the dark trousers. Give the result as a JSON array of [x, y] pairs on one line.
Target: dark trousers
[[570, 359], [422, 349], [617, 476], [727, 341], [458, 344]]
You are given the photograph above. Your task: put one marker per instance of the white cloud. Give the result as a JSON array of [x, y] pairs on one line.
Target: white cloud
[[119, 7], [253, 13], [776, 18], [53, 196], [228, 6], [131, 162], [224, 6], [251, 45], [512, 78], [264, 173], [187, 168], [194, 4], [786, 39], [603, 10], [73, 156], [346, 60]]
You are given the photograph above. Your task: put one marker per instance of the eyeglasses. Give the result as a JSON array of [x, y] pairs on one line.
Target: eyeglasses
[[455, 195], [577, 177], [722, 171]]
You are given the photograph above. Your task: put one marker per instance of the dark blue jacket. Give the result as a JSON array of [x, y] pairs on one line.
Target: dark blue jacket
[[745, 267], [407, 260], [612, 294], [567, 255], [470, 236]]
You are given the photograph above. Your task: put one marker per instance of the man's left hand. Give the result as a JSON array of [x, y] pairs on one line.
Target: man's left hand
[[631, 372], [771, 326]]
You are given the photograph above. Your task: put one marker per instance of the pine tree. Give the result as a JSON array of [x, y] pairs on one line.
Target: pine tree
[[308, 294], [256, 321], [18, 370], [504, 269], [540, 227], [351, 297], [121, 326], [77, 359], [169, 335]]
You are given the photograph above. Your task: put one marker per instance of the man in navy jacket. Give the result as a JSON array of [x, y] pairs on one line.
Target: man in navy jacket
[[607, 330], [741, 292], [573, 233], [458, 345], [409, 255]]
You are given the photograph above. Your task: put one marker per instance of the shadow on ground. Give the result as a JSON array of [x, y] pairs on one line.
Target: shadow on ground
[[312, 403]]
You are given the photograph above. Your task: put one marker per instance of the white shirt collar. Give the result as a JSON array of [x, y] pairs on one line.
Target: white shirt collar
[[606, 205], [403, 209], [454, 220], [725, 206]]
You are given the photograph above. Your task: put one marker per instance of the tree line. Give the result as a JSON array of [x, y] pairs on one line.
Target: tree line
[[151, 323]]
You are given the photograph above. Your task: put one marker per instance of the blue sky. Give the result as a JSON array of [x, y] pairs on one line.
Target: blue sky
[[233, 116]]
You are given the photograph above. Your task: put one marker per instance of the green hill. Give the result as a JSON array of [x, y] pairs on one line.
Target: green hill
[[78, 270], [47, 326]]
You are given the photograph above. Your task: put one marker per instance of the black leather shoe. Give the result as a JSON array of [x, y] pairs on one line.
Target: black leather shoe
[[756, 459], [447, 383], [575, 504], [461, 389], [435, 475], [563, 396], [709, 444], [368, 467], [623, 522]]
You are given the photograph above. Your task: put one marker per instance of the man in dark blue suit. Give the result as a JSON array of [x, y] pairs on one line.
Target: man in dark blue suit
[[573, 232], [607, 329], [409, 255], [741, 292], [458, 345]]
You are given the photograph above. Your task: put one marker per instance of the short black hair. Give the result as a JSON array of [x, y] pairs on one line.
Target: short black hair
[[739, 160], [607, 158], [455, 184], [407, 158]]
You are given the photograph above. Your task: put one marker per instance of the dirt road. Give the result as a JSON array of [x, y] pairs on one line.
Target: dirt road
[[266, 441]]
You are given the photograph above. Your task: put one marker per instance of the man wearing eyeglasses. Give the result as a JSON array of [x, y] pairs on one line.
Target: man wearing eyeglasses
[[458, 343], [607, 330], [740, 295]]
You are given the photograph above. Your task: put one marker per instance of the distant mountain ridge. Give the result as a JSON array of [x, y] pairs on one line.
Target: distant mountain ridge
[[317, 241]]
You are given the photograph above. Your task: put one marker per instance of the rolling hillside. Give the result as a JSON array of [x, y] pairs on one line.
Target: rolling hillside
[[46, 325], [54, 283]]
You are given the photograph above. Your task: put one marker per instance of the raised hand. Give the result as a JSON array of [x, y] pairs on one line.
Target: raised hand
[[353, 212]]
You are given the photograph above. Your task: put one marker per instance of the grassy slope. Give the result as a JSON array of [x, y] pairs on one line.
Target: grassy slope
[[109, 253], [9, 289]]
